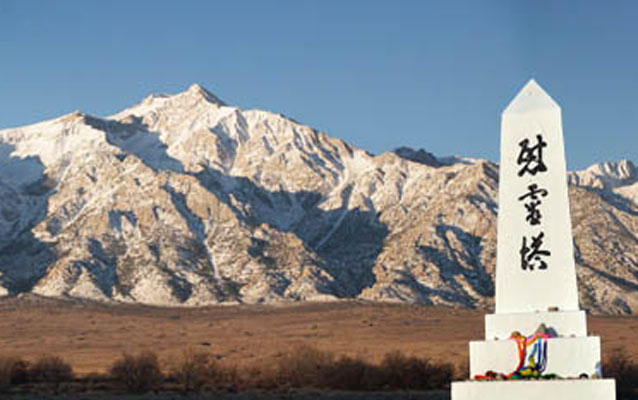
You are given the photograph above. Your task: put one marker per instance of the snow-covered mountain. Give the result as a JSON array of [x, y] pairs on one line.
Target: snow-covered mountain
[[184, 200]]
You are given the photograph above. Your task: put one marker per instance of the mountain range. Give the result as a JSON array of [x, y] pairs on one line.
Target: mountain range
[[183, 200]]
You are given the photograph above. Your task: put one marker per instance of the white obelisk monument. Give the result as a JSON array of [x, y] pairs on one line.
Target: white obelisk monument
[[535, 271]]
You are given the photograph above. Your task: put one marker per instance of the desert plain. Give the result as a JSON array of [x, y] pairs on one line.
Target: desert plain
[[91, 336]]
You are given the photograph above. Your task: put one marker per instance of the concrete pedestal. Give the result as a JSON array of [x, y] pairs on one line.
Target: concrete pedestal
[[573, 389], [566, 357], [563, 323]]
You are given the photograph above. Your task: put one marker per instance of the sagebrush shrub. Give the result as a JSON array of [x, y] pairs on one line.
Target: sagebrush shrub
[[305, 366], [197, 370], [139, 373], [618, 365], [13, 371], [402, 372], [52, 370]]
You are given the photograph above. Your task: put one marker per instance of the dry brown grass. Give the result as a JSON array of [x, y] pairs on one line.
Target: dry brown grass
[[91, 337], [253, 339]]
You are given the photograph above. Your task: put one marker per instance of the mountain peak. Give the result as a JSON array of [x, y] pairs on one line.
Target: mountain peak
[[606, 175], [420, 156], [72, 116], [197, 91], [623, 169]]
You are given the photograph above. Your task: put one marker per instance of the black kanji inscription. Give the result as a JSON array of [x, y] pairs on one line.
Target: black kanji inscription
[[533, 197], [532, 256], [531, 158]]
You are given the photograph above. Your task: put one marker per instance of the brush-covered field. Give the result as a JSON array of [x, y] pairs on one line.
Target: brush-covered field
[[259, 347]]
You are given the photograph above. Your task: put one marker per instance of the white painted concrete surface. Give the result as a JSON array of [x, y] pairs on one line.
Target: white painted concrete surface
[[533, 117], [566, 323], [577, 389], [566, 357]]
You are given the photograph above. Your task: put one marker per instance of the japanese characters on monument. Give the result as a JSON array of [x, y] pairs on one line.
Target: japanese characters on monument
[[530, 161], [535, 266]]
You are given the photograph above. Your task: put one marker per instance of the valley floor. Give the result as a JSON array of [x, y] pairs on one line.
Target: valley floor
[[92, 336]]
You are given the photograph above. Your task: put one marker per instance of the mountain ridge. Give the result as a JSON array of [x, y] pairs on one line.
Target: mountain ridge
[[184, 200]]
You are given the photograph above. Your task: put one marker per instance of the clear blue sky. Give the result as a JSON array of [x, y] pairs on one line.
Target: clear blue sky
[[379, 74]]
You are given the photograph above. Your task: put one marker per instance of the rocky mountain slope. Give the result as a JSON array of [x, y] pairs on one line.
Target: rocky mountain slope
[[184, 200]]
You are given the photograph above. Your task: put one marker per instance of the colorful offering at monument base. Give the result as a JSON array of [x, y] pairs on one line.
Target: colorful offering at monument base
[[532, 363]]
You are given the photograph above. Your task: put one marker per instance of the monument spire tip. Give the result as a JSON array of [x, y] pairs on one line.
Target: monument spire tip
[[531, 97]]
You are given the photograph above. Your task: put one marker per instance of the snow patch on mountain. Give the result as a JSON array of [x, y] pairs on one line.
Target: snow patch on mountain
[[607, 175]]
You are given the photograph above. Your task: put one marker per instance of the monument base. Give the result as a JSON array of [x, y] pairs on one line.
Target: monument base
[[564, 323], [569, 389], [567, 357]]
